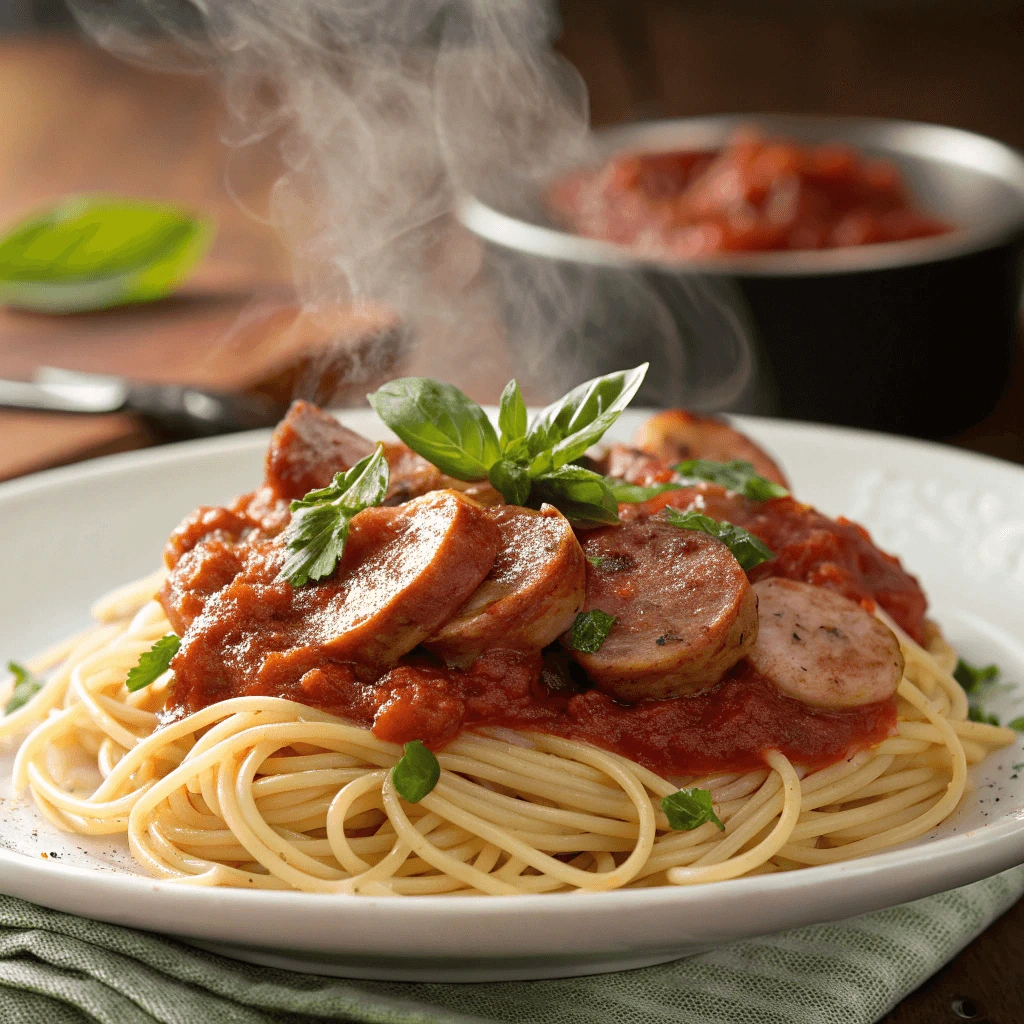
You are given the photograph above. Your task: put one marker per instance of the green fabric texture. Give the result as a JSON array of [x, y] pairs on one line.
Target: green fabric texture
[[59, 969]]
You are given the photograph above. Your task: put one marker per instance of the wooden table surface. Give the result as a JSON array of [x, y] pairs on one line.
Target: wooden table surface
[[75, 120]]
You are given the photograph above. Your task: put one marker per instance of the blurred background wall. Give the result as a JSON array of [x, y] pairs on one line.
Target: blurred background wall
[[953, 61]]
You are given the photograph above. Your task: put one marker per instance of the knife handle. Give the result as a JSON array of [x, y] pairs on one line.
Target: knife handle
[[182, 412]]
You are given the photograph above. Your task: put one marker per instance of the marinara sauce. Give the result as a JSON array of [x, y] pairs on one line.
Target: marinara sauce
[[260, 643], [757, 194]]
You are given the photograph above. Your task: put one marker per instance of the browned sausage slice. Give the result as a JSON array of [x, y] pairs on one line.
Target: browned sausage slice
[[683, 607], [532, 594], [821, 648], [405, 571], [676, 435]]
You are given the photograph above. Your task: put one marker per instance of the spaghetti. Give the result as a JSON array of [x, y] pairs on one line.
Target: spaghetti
[[265, 792]]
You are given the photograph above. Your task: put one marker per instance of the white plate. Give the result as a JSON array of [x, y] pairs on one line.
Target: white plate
[[956, 519]]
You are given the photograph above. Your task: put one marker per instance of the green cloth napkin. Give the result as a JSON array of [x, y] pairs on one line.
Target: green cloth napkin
[[59, 969]]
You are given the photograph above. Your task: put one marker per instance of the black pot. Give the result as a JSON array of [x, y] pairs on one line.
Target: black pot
[[910, 337]]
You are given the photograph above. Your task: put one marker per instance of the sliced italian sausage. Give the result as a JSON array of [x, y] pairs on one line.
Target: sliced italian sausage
[[821, 648], [532, 594], [684, 611], [404, 572], [308, 447], [676, 435]]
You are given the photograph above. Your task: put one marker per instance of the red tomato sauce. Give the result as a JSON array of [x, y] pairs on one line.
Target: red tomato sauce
[[755, 195], [260, 643]]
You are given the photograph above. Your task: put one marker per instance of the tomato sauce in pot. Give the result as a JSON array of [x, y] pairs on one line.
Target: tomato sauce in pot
[[756, 194]]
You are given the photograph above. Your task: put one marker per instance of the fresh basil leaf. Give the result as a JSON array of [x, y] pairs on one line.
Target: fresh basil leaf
[[590, 630], [631, 494], [93, 253], [512, 479], [583, 497], [747, 549], [511, 415], [735, 476], [26, 686], [971, 677], [567, 428], [440, 423], [1017, 724], [417, 772], [687, 809], [153, 663], [318, 529]]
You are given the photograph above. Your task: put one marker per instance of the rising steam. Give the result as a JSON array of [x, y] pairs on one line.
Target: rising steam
[[383, 112]]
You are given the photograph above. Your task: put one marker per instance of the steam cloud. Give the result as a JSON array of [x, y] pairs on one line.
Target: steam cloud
[[383, 112]]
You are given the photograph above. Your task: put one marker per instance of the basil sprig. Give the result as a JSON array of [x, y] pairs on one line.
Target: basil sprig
[[529, 463], [153, 663], [632, 494], [417, 772], [748, 550], [687, 809], [590, 630], [26, 686], [737, 476], [316, 533], [93, 253]]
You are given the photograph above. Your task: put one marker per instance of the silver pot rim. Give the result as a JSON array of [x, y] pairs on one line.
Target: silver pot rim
[[908, 139]]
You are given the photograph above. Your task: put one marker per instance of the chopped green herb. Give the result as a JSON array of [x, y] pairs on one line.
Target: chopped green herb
[[26, 686], [1017, 724], [687, 809], [735, 476], [153, 663], [597, 560], [590, 630], [976, 714], [316, 533], [417, 772], [747, 549], [1018, 766], [970, 677]]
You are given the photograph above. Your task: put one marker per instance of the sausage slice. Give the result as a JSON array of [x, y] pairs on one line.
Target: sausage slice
[[405, 571], [532, 594], [684, 610], [821, 648], [676, 435]]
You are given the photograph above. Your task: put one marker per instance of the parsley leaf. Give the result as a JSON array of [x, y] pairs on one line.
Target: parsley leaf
[[735, 476], [687, 809], [748, 550], [417, 772], [26, 686], [153, 663], [975, 713], [971, 678], [316, 533], [596, 560], [590, 630]]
